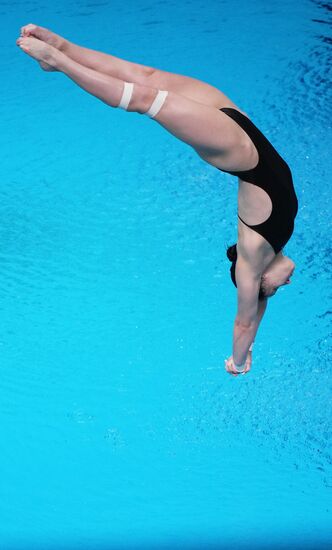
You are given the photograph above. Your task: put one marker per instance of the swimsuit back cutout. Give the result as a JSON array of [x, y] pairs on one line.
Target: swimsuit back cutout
[[273, 175]]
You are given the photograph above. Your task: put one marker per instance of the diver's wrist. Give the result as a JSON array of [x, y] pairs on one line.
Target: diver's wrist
[[239, 368]]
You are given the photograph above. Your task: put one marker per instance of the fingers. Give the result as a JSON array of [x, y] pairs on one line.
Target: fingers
[[228, 368], [246, 368]]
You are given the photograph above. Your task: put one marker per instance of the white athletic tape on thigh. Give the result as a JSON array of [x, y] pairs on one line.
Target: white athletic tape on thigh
[[126, 95], [157, 104]]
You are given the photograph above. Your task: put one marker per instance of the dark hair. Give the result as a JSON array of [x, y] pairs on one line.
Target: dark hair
[[261, 295], [232, 253], [232, 256]]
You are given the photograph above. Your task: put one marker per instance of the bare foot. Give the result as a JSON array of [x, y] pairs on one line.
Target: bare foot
[[45, 35], [45, 54]]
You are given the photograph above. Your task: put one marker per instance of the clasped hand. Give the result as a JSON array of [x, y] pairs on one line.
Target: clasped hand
[[229, 365]]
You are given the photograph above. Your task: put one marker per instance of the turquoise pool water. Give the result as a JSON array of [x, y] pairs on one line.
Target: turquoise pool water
[[119, 426]]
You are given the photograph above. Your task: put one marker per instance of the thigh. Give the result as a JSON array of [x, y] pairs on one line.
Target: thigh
[[208, 130], [195, 89]]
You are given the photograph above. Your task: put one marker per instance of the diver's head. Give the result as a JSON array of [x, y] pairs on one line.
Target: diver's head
[[277, 274]]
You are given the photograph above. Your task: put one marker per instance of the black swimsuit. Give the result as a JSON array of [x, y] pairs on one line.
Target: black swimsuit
[[273, 175]]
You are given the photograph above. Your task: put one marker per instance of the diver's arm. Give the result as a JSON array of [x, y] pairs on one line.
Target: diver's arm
[[249, 313], [260, 313]]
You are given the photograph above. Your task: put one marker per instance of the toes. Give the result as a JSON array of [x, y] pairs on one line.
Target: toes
[[20, 42], [23, 43], [27, 29]]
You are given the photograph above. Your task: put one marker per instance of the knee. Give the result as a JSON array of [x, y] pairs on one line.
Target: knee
[[142, 98], [144, 75], [149, 71]]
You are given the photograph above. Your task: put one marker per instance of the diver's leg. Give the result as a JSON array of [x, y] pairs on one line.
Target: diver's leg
[[133, 72], [99, 61], [205, 128]]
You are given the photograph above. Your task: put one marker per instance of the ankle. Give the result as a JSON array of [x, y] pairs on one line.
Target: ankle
[[64, 46], [59, 60]]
